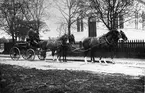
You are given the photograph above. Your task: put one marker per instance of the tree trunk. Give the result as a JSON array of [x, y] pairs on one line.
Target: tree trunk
[[12, 33], [69, 29], [13, 38]]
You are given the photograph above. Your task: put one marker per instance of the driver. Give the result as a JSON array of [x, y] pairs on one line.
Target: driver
[[33, 37]]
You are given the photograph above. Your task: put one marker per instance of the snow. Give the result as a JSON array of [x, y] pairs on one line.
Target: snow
[[123, 66]]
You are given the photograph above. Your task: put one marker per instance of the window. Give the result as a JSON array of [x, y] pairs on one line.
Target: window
[[121, 22], [80, 27]]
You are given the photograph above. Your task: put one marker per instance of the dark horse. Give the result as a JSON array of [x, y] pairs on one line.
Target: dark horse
[[106, 42], [56, 45], [62, 50]]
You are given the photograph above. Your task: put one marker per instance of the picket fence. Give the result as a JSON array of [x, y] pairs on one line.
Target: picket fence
[[129, 49]]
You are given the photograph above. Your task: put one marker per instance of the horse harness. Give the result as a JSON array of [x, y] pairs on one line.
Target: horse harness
[[101, 40]]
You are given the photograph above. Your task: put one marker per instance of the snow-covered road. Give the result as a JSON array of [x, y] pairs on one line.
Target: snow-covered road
[[134, 67]]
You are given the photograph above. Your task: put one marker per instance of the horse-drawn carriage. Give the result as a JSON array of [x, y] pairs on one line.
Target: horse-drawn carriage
[[27, 51], [105, 42]]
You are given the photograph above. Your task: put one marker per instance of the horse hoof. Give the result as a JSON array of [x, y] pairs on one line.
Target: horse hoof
[[58, 61], [86, 62], [100, 62], [113, 62]]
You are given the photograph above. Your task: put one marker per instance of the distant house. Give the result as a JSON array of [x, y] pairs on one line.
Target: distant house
[[134, 28]]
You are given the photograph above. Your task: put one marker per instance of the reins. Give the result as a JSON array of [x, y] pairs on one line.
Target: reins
[[107, 41], [82, 50]]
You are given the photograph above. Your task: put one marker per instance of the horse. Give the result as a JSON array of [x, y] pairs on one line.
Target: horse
[[63, 49], [105, 42], [54, 45]]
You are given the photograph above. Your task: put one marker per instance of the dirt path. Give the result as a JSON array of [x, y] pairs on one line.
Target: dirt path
[[132, 67]]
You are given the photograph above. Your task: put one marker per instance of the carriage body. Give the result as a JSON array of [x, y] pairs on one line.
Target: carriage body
[[26, 50]]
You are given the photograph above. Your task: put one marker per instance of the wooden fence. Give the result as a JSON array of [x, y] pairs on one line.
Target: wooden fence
[[129, 49]]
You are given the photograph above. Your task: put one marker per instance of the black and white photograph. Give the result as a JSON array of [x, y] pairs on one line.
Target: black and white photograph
[[72, 46]]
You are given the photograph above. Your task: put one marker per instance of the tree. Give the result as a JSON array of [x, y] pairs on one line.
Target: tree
[[34, 11], [71, 10], [140, 13], [109, 11], [24, 26], [18, 16], [10, 10], [143, 19]]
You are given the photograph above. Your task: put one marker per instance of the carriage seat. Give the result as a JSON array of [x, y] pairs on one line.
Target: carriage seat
[[32, 43]]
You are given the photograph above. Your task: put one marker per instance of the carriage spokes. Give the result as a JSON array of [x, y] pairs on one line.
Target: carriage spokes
[[15, 53], [41, 54]]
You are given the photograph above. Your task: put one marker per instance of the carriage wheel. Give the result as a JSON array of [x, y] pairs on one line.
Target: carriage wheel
[[24, 54], [41, 54], [30, 54], [15, 53]]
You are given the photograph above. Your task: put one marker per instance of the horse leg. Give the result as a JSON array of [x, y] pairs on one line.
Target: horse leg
[[85, 56], [65, 50], [53, 52], [59, 55], [93, 58], [100, 59], [65, 56], [112, 56], [105, 61], [44, 55], [105, 56], [58, 58], [92, 55]]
